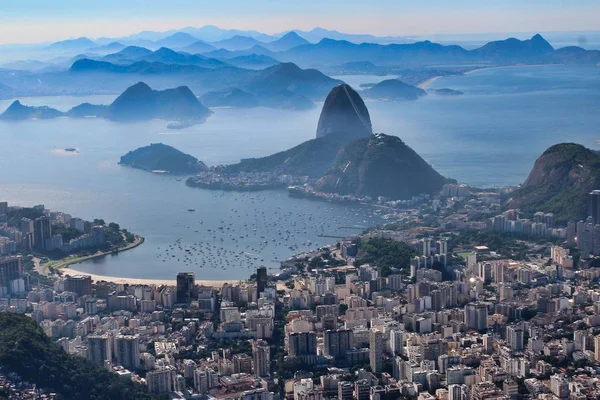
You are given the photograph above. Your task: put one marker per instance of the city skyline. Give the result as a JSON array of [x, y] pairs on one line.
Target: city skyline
[[35, 21]]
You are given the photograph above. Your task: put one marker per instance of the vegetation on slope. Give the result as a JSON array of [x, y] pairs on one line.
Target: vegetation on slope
[[560, 182], [27, 351], [380, 165], [161, 157], [311, 158], [388, 255]]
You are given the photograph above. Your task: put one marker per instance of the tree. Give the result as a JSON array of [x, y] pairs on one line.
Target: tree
[[388, 255]]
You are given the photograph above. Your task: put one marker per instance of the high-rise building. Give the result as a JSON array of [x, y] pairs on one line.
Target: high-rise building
[[458, 392], [99, 349], [261, 357], [128, 351], [362, 389], [571, 232], [205, 379], [397, 341], [442, 246], [476, 316], [515, 337], [26, 225], [185, 284], [594, 206], [302, 344], [376, 351], [559, 386], [80, 284], [10, 269], [345, 390], [337, 342], [3, 207], [597, 348], [261, 280], [585, 237], [160, 380], [242, 363], [42, 232]]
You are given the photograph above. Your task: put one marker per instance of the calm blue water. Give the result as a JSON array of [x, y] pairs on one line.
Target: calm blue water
[[488, 137]]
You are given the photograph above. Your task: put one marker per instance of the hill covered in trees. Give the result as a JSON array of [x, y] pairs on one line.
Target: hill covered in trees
[[28, 352]]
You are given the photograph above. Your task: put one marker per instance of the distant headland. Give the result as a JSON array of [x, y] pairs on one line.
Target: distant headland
[[138, 103]]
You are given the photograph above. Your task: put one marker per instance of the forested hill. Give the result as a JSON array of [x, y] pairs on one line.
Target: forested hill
[[28, 352]]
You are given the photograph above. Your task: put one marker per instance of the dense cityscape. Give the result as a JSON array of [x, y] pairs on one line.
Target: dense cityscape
[[333, 200], [450, 300]]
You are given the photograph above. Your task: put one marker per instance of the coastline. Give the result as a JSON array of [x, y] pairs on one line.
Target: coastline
[[423, 85], [472, 71], [141, 281], [429, 81], [66, 262]]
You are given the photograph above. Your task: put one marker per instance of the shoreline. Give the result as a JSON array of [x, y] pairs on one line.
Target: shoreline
[[143, 281], [66, 262], [423, 85]]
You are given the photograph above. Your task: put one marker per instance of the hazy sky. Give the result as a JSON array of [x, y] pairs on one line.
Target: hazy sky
[[26, 21]]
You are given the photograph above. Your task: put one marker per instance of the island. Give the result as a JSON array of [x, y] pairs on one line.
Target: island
[[393, 90], [447, 92], [137, 103], [161, 158], [18, 111]]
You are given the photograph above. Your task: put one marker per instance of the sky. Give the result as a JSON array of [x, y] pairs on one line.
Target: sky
[[33, 21]]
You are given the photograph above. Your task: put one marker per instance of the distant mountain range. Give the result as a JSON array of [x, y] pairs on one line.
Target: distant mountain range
[[138, 103], [217, 70], [163, 55], [282, 85], [212, 33], [323, 47], [78, 44], [363, 57], [17, 111]]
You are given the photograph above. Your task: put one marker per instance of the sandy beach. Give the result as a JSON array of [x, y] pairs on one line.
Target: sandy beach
[[137, 281], [428, 82], [424, 84]]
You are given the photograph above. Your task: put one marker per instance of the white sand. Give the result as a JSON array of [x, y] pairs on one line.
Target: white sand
[[428, 82], [137, 281]]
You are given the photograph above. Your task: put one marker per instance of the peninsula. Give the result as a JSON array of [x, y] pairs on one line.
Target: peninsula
[[345, 161], [51, 240]]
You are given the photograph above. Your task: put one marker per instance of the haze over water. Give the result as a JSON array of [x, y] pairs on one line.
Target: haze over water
[[488, 137]]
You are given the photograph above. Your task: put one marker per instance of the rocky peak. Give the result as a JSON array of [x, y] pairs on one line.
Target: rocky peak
[[344, 112]]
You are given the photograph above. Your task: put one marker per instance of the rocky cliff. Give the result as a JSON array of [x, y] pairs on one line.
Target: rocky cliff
[[380, 165], [344, 112]]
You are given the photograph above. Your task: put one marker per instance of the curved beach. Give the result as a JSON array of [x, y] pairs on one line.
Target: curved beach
[[137, 281]]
